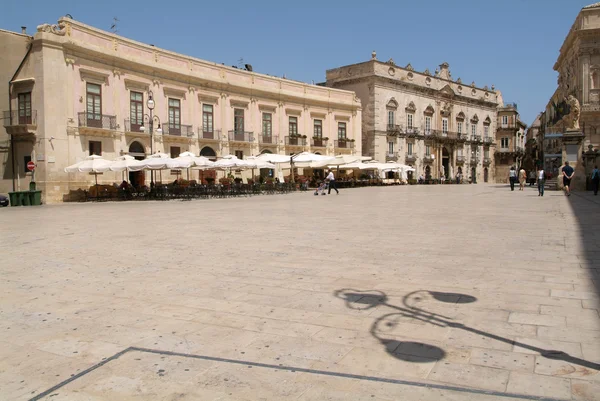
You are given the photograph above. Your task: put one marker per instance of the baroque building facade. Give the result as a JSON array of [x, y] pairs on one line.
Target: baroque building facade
[[578, 67], [82, 91], [430, 121], [510, 138]]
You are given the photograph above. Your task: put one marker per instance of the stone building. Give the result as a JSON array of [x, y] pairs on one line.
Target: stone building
[[428, 120], [578, 67], [510, 141], [13, 47], [83, 91]]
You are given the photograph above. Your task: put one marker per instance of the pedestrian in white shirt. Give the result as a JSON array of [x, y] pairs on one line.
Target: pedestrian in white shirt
[[331, 180]]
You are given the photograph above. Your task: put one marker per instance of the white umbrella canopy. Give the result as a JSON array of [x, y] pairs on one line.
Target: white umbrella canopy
[[274, 158], [92, 164], [336, 161], [160, 161], [231, 161], [256, 162], [126, 162], [305, 159]]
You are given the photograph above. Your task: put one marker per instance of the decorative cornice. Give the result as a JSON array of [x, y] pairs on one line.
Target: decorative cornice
[[267, 107], [133, 84], [239, 103], [117, 72], [206, 98], [317, 114], [340, 117], [94, 76], [69, 60], [175, 92], [293, 112]]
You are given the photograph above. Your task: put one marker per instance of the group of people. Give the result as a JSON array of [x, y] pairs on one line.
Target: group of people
[[567, 175], [328, 183]]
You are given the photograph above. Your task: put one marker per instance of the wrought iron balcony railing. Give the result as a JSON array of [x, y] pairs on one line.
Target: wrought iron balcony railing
[[268, 139], [412, 131], [178, 129], [241, 136], [487, 161], [394, 128], [488, 140], [411, 157], [214, 134], [128, 126], [474, 160], [93, 120], [344, 144], [294, 140], [460, 159], [428, 158], [461, 137], [20, 117], [319, 143]]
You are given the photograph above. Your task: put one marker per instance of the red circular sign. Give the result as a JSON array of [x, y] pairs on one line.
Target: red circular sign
[[30, 166]]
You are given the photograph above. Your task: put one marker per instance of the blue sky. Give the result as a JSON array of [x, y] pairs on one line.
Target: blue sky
[[512, 44]]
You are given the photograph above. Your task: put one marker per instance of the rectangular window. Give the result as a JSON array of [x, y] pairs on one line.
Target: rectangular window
[[25, 108], [136, 111], [390, 148], [26, 159], [504, 143], [239, 154], [174, 116], [486, 130], [504, 121], [460, 151], [486, 153], [238, 120], [341, 130], [459, 127], [293, 124], [428, 150], [175, 151], [473, 129], [207, 118], [94, 105], [427, 125], [267, 124], [95, 148], [391, 117], [318, 128], [409, 148], [409, 121], [444, 125]]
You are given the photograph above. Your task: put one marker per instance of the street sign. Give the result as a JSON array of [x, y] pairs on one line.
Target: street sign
[[30, 166]]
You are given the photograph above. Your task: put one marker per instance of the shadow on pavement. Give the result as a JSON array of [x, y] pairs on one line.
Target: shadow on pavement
[[421, 352], [586, 209]]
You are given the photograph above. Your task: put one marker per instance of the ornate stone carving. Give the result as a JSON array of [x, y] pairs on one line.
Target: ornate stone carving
[[473, 84], [374, 55], [391, 61], [117, 72], [69, 60], [411, 107], [459, 81], [392, 71], [426, 72], [571, 120], [155, 82], [57, 29], [409, 67]]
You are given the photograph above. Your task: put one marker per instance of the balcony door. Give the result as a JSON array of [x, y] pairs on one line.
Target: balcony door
[[94, 105], [174, 117], [24, 108], [238, 125]]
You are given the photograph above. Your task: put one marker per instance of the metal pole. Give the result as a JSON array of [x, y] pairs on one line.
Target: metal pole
[[151, 123]]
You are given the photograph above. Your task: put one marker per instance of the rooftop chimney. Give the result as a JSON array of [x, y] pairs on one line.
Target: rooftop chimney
[[24, 30]]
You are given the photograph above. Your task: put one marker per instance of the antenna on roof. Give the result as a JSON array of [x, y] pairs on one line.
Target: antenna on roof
[[113, 27], [241, 62]]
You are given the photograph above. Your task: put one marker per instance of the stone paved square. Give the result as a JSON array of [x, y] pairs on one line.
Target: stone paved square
[[469, 292]]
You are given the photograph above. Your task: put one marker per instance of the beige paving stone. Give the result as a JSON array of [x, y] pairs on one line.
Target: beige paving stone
[[574, 294], [459, 374], [583, 390], [567, 368], [536, 346], [569, 312], [568, 334], [538, 320], [591, 351], [539, 385], [511, 361]]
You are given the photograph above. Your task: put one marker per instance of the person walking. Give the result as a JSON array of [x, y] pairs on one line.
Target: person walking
[[541, 178], [568, 173], [522, 179], [595, 179], [531, 178], [512, 177], [331, 181]]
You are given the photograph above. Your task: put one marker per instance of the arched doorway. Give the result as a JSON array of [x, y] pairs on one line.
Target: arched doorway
[[445, 162], [268, 151], [485, 175], [474, 175], [208, 176], [137, 178]]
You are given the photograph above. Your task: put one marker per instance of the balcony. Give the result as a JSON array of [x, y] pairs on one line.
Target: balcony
[[209, 134], [487, 161], [295, 140], [428, 133], [178, 130], [444, 136], [101, 121], [319, 142], [394, 129], [428, 159], [460, 159], [411, 158], [488, 140], [460, 137], [509, 125], [344, 144], [474, 161], [268, 140], [19, 124], [391, 157], [241, 136], [132, 128], [476, 138], [412, 132]]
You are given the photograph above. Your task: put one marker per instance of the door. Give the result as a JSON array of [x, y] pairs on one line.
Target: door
[[485, 175], [474, 175]]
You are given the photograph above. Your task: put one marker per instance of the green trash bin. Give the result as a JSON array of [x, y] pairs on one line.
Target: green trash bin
[[32, 186], [15, 199], [36, 198], [26, 198]]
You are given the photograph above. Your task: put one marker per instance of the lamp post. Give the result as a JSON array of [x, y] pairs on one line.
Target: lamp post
[[150, 104]]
